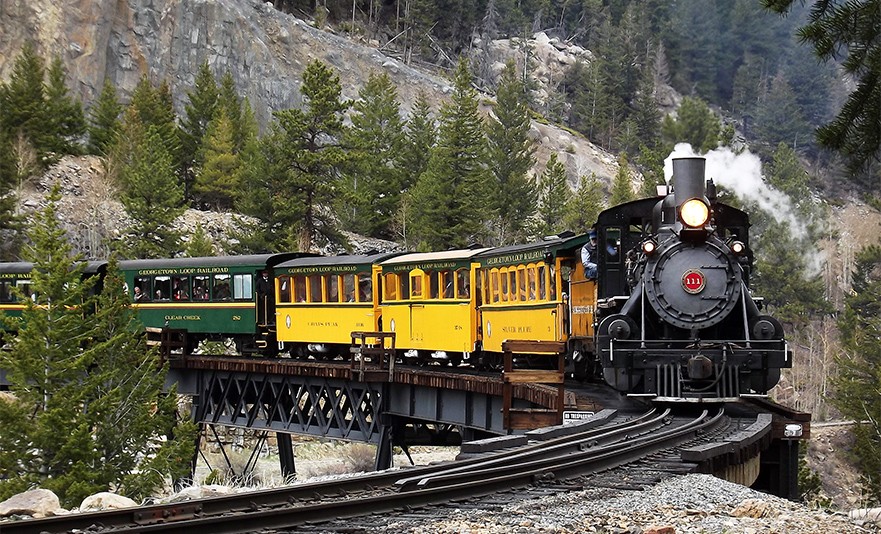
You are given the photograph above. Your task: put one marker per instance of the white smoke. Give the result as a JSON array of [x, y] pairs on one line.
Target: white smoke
[[742, 174]]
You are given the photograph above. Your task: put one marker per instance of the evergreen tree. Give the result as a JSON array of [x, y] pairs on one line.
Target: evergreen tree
[[87, 407], [303, 158], [782, 270], [857, 392], [200, 244], [419, 139], [65, 119], [152, 197], [153, 107], [450, 197], [778, 117], [373, 181], [266, 230], [585, 205], [23, 102], [104, 120], [695, 124], [199, 111], [848, 28], [218, 180], [510, 159], [622, 190], [244, 125], [694, 47], [553, 192]]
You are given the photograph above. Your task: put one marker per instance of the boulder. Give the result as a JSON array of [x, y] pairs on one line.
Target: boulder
[[35, 503], [105, 501]]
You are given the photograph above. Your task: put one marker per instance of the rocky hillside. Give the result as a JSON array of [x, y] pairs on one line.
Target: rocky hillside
[[265, 50]]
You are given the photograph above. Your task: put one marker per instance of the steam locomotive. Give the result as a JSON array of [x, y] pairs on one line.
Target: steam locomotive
[[669, 315], [676, 319]]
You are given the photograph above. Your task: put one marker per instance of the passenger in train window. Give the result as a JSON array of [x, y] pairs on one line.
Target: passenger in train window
[[463, 284], [365, 288], [139, 295]]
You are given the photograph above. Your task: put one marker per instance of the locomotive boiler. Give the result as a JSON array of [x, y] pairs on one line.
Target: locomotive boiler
[[676, 317]]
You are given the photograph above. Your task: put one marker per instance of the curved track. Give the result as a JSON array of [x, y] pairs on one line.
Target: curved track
[[623, 441]]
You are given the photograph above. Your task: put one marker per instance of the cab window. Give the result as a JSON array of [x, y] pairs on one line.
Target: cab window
[[611, 247]]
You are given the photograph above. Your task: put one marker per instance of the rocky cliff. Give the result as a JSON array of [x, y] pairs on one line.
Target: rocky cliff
[[265, 50]]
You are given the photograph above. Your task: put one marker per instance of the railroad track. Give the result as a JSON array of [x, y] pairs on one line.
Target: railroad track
[[560, 464]]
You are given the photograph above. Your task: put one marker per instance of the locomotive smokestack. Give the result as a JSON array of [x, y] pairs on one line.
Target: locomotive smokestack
[[688, 179]]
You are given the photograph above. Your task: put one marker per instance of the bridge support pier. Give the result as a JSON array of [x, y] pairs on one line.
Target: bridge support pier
[[285, 454], [384, 449]]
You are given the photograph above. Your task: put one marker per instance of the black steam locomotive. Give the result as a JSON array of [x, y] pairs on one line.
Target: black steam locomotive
[[676, 319]]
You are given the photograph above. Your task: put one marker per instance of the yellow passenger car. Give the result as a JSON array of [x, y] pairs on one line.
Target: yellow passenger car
[[429, 300], [320, 301], [536, 292]]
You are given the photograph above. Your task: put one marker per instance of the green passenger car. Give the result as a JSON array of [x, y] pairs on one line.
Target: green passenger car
[[211, 298]]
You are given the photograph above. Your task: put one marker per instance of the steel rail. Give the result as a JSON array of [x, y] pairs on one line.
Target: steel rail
[[171, 512], [555, 447], [454, 489]]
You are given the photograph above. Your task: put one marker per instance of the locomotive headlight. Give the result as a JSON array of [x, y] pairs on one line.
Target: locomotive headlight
[[694, 212], [738, 248], [649, 247]]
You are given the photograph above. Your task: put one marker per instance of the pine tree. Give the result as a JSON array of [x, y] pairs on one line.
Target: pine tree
[[420, 137], [695, 124], [104, 120], [857, 392], [622, 189], [849, 28], [199, 111], [153, 107], [510, 151], [244, 125], [200, 244], [450, 197], [583, 207], [87, 404], [270, 220], [23, 101], [373, 181], [553, 192], [218, 180], [304, 160], [778, 117], [152, 197], [45, 365], [128, 409], [65, 118]]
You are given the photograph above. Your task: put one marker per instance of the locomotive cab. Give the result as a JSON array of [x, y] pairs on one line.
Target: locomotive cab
[[677, 320]]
